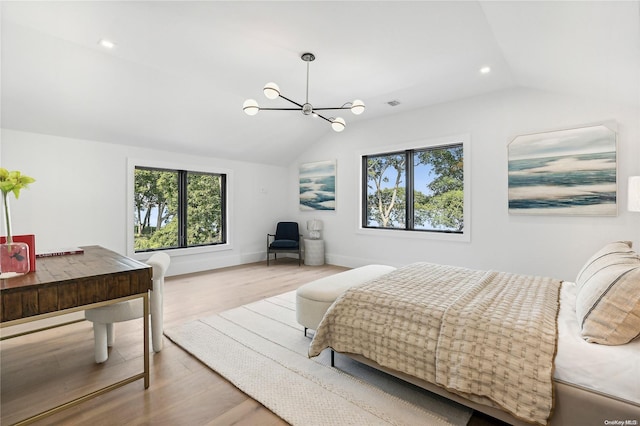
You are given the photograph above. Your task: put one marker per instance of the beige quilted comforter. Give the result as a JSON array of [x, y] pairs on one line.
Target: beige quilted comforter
[[488, 336]]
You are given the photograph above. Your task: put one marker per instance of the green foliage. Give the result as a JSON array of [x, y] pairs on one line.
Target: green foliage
[[385, 204], [392, 202], [204, 209], [447, 164], [444, 206], [442, 210], [158, 190]]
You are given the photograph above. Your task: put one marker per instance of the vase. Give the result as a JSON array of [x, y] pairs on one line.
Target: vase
[[14, 256], [14, 259]]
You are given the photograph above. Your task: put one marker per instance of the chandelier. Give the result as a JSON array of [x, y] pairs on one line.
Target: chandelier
[[272, 91]]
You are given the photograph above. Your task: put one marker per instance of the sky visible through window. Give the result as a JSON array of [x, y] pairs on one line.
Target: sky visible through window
[[423, 177]]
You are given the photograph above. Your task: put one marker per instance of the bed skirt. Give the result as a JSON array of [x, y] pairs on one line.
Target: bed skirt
[[574, 405]]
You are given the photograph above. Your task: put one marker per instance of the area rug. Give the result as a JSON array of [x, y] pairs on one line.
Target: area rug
[[262, 350]]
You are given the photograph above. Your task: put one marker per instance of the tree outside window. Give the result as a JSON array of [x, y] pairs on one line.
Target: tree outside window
[[177, 209], [386, 178], [421, 190]]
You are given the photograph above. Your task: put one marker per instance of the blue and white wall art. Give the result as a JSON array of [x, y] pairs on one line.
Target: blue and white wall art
[[318, 186], [564, 172]]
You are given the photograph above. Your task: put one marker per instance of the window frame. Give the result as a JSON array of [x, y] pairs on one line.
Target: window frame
[[175, 167], [447, 141]]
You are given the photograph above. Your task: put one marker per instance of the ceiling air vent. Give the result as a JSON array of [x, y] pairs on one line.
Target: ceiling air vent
[[393, 103]]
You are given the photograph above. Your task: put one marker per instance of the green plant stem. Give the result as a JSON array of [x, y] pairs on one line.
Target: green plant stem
[[7, 217]]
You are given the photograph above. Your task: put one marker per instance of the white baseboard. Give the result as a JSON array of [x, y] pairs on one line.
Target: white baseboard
[[354, 262]]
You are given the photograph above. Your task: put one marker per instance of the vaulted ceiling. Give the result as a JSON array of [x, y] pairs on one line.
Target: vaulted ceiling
[[180, 71]]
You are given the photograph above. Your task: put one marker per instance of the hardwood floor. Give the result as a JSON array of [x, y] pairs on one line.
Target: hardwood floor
[[44, 369]]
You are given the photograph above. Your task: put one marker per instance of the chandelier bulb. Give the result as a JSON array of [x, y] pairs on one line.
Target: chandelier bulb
[[338, 124], [357, 107], [250, 107], [271, 90]]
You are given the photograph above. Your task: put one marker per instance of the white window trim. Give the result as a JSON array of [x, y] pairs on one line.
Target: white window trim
[[465, 236], [132, 163]]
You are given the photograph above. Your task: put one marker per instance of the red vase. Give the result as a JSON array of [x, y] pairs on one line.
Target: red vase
[[14, 259]]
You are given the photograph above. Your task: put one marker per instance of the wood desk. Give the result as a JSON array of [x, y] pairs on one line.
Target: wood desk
[[65, 284]]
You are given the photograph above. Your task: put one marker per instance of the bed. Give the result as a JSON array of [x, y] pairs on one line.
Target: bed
[[523, 349]]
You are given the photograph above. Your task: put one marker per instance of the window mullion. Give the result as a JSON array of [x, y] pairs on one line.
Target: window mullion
[[182, 208], [409, 222], [223, 205]]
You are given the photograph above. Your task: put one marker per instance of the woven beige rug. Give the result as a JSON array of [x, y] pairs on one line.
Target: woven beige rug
[[262, 350]]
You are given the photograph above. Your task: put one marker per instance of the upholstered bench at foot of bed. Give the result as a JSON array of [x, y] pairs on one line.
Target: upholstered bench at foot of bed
[[314, 298]]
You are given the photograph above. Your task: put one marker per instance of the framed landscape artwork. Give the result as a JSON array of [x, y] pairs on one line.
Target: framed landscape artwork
[[564, 172], [318, 185]]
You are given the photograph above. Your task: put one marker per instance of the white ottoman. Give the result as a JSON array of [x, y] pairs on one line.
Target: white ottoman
[[314, 298]]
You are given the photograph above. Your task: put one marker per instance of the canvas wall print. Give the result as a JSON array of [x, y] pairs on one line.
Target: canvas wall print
[[565, 172], [318, 186]]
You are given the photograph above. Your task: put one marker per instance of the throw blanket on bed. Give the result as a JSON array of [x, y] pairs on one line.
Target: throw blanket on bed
[[488, 336]]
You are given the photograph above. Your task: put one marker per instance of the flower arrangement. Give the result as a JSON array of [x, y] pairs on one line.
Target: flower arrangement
[[11, 182]]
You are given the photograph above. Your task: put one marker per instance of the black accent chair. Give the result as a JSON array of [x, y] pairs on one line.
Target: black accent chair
[[285, 240]]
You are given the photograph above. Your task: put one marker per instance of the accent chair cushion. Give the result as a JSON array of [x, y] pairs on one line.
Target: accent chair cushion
[[608, 295], [284, 244]]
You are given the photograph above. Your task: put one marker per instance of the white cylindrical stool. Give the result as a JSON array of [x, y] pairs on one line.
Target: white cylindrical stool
[[313, 252]]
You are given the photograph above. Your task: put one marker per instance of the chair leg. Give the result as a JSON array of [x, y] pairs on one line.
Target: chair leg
[[100, 342], [111, 334], [156, 331]]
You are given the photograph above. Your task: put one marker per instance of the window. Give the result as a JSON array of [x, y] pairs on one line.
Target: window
[[178, 209], [416, 189]]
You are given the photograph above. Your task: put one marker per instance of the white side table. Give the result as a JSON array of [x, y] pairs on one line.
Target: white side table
[[313, 252]]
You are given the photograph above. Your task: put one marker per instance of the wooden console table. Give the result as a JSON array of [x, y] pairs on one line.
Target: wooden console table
[[65, 284]]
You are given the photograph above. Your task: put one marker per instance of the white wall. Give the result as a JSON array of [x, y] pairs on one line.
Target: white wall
[[80, 194], [543, 245], [80, 197]]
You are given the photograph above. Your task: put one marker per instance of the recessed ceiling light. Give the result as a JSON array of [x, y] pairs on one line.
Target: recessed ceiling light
[[485, 70], [107, 44]]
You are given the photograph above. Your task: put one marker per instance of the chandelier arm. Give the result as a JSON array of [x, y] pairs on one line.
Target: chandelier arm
[[326, 109], [279, 109], [323, 117], [293, 102]]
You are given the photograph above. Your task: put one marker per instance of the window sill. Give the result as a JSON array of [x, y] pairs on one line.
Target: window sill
[[189, 251], [465, 237]]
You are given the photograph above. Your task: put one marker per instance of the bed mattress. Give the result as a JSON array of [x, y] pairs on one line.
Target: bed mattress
[[611, 370]]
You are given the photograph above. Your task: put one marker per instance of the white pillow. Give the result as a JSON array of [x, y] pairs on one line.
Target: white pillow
[[608, 295], [617, 252]]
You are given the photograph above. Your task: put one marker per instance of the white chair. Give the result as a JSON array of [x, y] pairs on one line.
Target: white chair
[[104, 317]]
